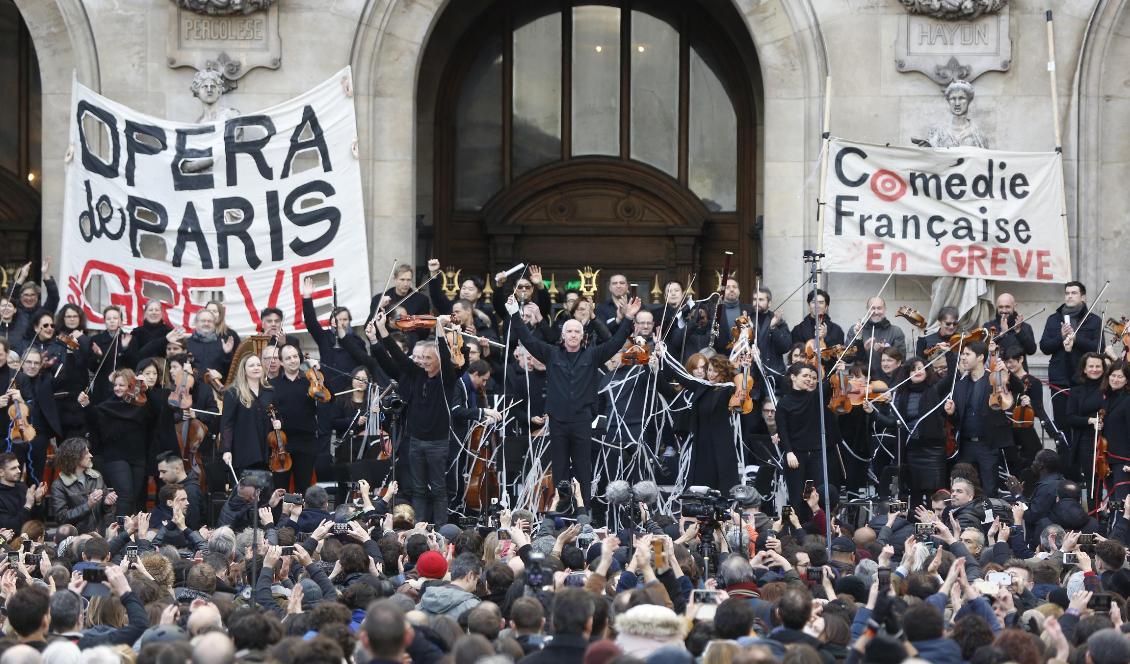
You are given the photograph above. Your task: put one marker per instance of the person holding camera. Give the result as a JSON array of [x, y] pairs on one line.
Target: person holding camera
[[572, 375]]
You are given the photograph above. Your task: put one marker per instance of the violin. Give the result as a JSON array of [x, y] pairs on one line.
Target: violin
[[67, 340], [1023, 417], [741, 326], [280, 461], [1000, 398], [742, 400], [875, 391], [415, 323], [635, 353], [1102, 465], [317, 390], [828, 352], [961, 339], [22, 430], [181, 396], [135, 392], [190, 436], [841, 403], [1120, 331], [454, 338], [482, 476], [911, 314]]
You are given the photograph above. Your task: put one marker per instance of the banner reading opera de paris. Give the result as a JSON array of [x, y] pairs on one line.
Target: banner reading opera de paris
[[963, 212], [243, 208]]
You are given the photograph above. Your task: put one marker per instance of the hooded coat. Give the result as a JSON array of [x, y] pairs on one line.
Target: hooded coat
[[448, 600]]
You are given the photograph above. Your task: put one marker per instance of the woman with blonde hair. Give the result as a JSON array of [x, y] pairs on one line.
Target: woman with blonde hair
[[245, 422]]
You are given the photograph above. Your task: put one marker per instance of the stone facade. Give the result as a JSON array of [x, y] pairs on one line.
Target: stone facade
[[119, 48]]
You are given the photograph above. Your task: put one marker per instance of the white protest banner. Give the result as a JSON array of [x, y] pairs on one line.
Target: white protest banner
[[962, 212], [245, 207]]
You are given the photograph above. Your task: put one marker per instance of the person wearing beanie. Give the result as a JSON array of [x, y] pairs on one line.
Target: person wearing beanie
[[431, 565]]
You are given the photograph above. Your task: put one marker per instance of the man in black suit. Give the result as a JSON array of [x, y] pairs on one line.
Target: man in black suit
[[982, 432], [1068, 333]]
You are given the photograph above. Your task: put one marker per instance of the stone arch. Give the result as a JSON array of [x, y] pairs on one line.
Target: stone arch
[[65, 47], [388, 49], [1094, 136]]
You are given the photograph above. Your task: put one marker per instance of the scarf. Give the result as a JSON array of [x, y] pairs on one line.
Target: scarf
[[205, 337]]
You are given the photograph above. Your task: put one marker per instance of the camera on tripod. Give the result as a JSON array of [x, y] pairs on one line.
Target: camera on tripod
[[704, 504]]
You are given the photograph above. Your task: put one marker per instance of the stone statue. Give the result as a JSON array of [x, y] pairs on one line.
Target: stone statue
[[209, 86], [954, 10], [961, 130], [224, 7]]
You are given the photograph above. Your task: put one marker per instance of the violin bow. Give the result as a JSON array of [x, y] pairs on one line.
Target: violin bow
[[1090, 310], [906, 380], [105, 355], [391, 274]]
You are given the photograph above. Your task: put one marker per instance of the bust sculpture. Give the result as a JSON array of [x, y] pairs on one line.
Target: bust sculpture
[[224, 7], [954, 10], [209, 87], [961, 129]]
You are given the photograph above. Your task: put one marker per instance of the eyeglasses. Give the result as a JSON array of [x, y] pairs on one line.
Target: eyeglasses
[[948, 323], [51, 325]]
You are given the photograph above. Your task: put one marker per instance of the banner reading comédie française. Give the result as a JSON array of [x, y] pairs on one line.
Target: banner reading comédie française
[[245, 208], [962, 212]]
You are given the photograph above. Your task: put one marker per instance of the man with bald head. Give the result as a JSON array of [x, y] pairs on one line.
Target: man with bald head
[[1010, 325], [877, 334], [572, 373]]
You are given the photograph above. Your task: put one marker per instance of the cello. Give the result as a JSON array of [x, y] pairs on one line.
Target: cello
[[280, 461], [482, 476]]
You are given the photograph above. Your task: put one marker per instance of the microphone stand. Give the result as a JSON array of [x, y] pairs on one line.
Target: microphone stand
[[813, 260]]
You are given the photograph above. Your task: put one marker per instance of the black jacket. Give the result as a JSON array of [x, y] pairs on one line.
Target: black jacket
[[1063, 364], [571, 377], [1020, 336], [331, 351], [806, 329], [12, 501], [561, 649], [996, 426], [244, 430]]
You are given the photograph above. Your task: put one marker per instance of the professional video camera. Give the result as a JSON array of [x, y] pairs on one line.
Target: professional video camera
[[704, 504]]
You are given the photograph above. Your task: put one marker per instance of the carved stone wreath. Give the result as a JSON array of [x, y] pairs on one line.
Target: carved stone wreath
[[954, 10], [224, 7]]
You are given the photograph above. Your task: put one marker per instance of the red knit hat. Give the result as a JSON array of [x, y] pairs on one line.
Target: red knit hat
[[431, 565]]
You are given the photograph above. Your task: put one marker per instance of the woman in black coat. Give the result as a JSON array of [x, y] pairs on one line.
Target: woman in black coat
[[109, 352], [120, 427], [1083, 405], [916, 414], [798, 427], [245, 422], [714, 458], [1116, 429]]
